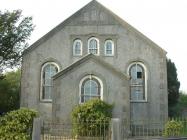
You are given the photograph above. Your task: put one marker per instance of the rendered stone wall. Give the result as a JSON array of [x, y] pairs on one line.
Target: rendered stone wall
[[129, 47], [115, 90]]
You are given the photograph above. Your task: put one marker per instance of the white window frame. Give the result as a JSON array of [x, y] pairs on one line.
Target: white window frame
[[74, 45], [41, 80], [146, 77], [90, 77], [98, 46], [106, 47]]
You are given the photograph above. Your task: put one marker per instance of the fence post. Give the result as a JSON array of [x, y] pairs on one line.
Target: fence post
[[116, 129], [36, 132]]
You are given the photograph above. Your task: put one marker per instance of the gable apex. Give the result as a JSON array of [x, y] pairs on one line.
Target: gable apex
[[96, 60], [114, 19]]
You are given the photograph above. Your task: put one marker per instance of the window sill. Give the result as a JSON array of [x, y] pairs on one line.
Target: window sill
[[45, 101], [138, 101], [98, 54], [109, 55], [77, 55]]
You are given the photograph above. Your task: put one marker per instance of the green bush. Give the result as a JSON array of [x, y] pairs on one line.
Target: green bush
[[17, 125], [173, 128], [92, 118], [9, 91]]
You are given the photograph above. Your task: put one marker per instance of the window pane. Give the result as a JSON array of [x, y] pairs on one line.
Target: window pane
[[77, 47], [86, 98], [90, 89], [133, 74], [108, 51], [47, 82], [54, 70], [137, 93], [93, 46], [87, 88], [49, 71], [108, 47], [140, 75], [137, 82], [47, 92], [94, 88], [77, 51]]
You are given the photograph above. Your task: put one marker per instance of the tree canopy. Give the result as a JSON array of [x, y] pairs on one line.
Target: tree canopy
[[173, 86], [15, 30], [9, 91]]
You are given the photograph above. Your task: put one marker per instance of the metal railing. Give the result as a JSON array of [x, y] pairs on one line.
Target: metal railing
[[87, 130], [175, 127], [101, 130]]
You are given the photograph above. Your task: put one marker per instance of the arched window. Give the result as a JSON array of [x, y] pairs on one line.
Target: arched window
[[93, 46], [90, 87], [109, 48], [77, 47], [137, 72], [49, 69]]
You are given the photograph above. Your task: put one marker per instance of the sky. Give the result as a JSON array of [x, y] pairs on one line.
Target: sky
[[163, 21]]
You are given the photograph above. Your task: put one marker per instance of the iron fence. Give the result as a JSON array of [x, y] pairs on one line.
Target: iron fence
[[101, 130], [87, 130], [147, 129]]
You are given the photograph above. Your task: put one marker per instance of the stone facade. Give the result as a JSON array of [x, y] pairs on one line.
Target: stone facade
[[94, 20]]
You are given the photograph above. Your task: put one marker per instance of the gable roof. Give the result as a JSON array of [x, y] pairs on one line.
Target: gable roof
[[87, 58], [68, 20]]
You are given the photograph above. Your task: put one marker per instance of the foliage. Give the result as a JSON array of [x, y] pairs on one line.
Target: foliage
[[173, 128], [9, 91], [180, 106], [91, 118], [183, 100], [17, 125], [173, 87], [14, 32]]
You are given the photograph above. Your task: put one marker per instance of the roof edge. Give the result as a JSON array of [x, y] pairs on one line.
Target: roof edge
[[84, 59], [66, 21], [55, 29], [131, 28]]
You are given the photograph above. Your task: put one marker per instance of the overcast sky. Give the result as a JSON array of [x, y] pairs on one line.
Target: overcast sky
[[163, 21]]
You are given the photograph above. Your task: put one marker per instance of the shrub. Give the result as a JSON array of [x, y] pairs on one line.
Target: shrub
[[17, 125], [92, 118], [173, 128]]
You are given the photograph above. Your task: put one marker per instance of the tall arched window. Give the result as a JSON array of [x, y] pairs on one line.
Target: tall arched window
[[77, 47], [137, 72], [49, 69], [109, 48], [90, 87], [93, 46]]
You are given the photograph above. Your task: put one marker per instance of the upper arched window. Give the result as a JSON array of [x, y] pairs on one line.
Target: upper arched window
[[90, 87], [109, 48], [49, 69], [138, 82], [77, 47], [93, 46]]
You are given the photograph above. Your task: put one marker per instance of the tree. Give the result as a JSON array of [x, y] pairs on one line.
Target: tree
[[14, 32], [173, 87], [9, 91]]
